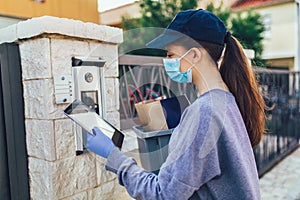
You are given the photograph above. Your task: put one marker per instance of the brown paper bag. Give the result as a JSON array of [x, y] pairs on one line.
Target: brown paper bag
[[151, 115]]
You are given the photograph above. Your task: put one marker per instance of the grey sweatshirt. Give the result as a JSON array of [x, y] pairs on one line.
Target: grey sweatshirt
[[210, 157]]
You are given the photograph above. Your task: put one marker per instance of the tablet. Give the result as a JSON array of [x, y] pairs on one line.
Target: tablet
[[87, 118]]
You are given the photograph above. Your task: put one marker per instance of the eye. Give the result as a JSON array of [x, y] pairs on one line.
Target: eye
[[170, 55]]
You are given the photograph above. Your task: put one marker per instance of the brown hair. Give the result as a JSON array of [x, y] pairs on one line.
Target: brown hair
[[237, 73]]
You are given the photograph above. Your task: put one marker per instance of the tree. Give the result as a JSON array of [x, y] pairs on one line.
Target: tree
[[157, 13], [247, 26], [221, 11], [154, 13]]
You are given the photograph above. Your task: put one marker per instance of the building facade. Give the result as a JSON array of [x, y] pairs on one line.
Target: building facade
[[281, 36], [13, 11], [113, 17]]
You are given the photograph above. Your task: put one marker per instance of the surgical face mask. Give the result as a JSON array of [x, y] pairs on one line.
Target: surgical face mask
[[172, 67]]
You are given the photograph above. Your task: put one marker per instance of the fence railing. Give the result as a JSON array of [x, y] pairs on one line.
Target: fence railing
[[143, 77], [281, 90]]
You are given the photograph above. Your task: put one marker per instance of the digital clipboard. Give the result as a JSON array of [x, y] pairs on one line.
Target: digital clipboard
[[87, 118]]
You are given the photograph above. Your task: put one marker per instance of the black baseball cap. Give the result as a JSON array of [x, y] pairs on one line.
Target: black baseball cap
[[196, 24]]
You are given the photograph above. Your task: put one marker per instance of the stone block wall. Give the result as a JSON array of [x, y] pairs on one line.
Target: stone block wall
[[46, 47]]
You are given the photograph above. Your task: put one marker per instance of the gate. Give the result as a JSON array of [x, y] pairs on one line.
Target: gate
[[13, 155]]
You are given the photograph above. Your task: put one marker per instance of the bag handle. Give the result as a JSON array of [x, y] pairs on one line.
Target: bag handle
[[133, 94]]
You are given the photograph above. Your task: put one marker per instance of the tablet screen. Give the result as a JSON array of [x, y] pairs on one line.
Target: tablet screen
[[87, 118]]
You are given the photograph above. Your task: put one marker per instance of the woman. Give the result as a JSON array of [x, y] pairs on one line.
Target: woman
[[210, 151]]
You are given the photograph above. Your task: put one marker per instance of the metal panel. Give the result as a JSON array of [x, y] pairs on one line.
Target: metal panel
[[4, 179], [13, 140]]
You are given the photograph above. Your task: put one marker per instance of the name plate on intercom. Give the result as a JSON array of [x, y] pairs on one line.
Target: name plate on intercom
[[63, 89]]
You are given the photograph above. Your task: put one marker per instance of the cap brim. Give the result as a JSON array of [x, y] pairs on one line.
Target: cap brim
[[163, 40]]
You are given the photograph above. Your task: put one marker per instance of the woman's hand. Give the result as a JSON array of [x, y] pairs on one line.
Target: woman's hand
[[100, 143]]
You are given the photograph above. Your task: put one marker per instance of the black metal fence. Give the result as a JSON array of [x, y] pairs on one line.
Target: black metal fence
[[281, 90], [142, 78]]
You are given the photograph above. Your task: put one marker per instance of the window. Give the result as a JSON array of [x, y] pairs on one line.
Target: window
[[267, 20]]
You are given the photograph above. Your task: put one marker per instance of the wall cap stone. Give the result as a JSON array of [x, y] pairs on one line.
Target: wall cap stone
[[54, 25]]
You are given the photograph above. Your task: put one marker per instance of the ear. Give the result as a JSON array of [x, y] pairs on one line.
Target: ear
[[197, 54]]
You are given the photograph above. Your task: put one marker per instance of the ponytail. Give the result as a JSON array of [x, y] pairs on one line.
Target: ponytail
[[237, 73]]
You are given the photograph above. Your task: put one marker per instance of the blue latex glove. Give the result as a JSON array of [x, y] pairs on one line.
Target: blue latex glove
[[100, 143]]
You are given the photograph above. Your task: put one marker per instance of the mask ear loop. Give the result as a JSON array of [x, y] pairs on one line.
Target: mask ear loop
[[193, 65], [184, 54]]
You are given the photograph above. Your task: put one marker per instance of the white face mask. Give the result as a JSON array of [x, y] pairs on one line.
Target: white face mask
[[172, 67]]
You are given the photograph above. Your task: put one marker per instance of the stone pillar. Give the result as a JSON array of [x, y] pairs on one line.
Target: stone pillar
[[46, 47]]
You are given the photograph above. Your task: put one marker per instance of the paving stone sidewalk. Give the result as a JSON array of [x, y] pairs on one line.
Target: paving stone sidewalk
[[283, 181]]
